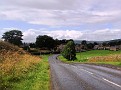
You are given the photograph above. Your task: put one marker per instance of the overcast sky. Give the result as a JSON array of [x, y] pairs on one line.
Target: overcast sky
[[62, 19]]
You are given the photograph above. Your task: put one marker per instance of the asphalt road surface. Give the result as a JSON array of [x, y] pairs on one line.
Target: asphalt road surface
[[83, 76]]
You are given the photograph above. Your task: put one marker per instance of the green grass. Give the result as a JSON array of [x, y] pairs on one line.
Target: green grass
[[83, 56], [93, 53], [37, 79]]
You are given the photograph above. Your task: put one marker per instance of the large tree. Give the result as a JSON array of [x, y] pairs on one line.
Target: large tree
[[13, 36], [69, 51], [45, 42]]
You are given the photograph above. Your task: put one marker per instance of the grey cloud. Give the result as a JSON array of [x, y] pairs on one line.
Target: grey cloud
[[61, 12], [43, 4], [100, 35], [96, 35]]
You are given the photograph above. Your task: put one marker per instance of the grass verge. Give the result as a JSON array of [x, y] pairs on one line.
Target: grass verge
[[37, 79], [32, 74], [97, 56], [20, 70]]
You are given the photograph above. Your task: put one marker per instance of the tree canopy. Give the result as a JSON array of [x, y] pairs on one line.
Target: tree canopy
[[13, 36], [45, 42], [69, 51]]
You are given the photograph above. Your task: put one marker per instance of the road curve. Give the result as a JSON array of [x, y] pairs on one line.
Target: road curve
[[83, 76]]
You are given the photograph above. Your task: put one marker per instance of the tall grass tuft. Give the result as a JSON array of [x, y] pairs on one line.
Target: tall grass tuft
[[14, 64]]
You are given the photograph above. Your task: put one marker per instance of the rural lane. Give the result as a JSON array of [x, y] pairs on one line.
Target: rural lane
[[83, 76]]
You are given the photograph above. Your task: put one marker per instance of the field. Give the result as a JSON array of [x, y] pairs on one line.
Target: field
[[98, 56], [21, 71]]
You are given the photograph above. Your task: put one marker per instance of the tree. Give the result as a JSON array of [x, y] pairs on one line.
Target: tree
[[13, 36], [69, 51], [95, 43], [84, 43], [90, 46], [45, 42], [104, 44]]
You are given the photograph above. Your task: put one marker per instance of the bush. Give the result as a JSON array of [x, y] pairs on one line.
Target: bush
[[69, 51]]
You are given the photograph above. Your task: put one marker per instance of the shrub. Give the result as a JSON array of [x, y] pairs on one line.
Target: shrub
[[69, 51]]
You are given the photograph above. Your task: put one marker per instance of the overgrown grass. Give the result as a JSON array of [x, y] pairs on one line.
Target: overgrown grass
[[37, 79], [26, 75], [97, 56], [22, 71], [84, 56]]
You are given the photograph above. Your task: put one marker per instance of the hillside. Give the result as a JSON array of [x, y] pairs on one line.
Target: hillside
[[7, 47]]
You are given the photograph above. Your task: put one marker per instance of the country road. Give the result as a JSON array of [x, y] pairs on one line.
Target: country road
[[83, 76]]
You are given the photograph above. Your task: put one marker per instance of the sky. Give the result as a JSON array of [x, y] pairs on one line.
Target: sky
[[92, 20]]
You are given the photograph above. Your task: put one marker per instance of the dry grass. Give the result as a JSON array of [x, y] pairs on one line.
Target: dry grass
[[109, 58], [14, 64], [5, 47]]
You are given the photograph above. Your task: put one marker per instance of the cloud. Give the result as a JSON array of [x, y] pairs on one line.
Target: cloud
[[102, 35], [61, 12], [31, 34], [97, 35], [97, 15]]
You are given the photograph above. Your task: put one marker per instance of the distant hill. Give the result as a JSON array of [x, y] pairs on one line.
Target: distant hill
[[115, 40], [79, 41]]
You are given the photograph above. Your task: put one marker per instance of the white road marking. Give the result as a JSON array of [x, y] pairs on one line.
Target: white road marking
[[84, 70], [87, 71], [112, 82], [102, 78]]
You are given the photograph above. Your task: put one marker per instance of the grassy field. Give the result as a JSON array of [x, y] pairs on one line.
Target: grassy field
[[22, 71], [98, 56]]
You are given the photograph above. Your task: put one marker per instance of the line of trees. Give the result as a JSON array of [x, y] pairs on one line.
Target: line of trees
[[15, 37], [42, 41]]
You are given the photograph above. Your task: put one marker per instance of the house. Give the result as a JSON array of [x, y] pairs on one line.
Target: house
[[99, 47], [119, 47], [96, 47], [77, 48], [115, 48], [107, 48], [80, 48], [60, 47]]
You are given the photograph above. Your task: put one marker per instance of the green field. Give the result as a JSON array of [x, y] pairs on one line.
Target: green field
[[84, 56]]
